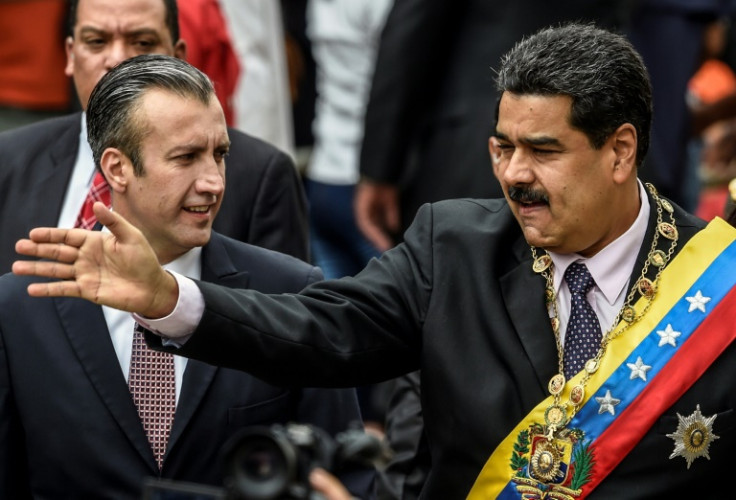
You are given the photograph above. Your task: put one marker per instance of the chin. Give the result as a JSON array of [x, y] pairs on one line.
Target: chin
[[196, 241], [534, 238], [202, 241]]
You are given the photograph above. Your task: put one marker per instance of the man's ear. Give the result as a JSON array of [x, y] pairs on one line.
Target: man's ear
[[69, 47], [116, 167], [625, 142], [180, 49], [495, 153]]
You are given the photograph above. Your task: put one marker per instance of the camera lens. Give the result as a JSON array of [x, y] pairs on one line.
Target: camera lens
[[262, 465], [262, 462]]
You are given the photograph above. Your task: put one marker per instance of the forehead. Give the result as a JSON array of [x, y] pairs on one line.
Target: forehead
[[533, 114], [122, 15], [170, 119]]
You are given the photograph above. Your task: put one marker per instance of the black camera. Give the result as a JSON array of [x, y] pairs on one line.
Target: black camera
[[274, 462]]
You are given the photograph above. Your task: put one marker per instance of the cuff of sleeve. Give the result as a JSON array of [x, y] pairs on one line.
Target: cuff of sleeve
[[177, 327]]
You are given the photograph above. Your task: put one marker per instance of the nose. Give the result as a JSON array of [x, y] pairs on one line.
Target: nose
[[517, 169], [211, 179], [116, 54]]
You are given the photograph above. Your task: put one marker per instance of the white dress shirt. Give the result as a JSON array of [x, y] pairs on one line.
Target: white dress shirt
[[121, 323], [344, 36], [80, 181]]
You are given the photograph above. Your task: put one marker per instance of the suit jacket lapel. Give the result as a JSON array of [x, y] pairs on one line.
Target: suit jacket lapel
[[57, 172], [523, 295], [217, 267], [687, 225], [84, 324]]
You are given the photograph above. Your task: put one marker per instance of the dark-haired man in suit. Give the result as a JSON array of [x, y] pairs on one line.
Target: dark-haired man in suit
[[71, 425]]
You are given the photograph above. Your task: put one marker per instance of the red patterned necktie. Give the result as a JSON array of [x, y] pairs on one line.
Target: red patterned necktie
[[583, 335], [99, 191], [153, 386]]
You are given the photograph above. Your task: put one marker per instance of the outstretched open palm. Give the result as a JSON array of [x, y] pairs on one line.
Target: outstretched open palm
[[117, 269]]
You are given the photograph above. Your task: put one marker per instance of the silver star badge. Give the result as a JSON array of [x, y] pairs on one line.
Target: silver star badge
[[607, 403], [697, 301], [693, 436], [668, 336], [639, 369]]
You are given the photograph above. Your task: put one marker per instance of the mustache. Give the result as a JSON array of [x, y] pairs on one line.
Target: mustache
[[527, 195]]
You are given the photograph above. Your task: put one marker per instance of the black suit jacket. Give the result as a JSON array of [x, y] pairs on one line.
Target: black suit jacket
[[459, 300], [264, 202], [68, 425], [432, 100]]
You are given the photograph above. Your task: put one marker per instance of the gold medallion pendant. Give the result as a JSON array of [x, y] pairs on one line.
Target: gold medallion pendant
[[628, 314], [646, 287], [658, 258], [667, 205], [693, 436], [591, 366], [556, 384], [547, 459], [542, 263], [555, 417], [667, 230], [551, 467], [577, 394]]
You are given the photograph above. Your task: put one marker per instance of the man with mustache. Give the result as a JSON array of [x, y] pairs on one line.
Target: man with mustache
[[574, 339]]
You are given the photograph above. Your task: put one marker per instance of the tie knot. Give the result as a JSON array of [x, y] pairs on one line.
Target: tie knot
[[578, 278]]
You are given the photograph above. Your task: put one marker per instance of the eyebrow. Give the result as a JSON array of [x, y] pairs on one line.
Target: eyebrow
[[138, 32], [89, 29], [195, 147], [185, 148], [543, 140]]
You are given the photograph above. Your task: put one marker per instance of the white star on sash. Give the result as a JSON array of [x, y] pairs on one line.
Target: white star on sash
[[607, 403], [697, 301], [668, 336], [639, 369]]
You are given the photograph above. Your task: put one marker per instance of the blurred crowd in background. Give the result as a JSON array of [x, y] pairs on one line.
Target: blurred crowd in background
[[298, 74]]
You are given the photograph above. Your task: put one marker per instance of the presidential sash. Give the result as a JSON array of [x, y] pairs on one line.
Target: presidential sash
[[688, 325]]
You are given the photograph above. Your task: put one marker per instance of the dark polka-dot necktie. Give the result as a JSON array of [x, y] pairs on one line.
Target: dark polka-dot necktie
[[583, 334], [152, 384]]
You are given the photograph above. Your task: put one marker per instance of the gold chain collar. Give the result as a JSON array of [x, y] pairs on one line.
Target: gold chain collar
[[558, 414]]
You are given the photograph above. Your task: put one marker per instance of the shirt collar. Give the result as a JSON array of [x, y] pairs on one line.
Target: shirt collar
[[85, 151], [189, 264]]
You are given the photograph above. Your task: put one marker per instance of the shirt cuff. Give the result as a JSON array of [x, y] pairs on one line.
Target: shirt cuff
[[177, 327]]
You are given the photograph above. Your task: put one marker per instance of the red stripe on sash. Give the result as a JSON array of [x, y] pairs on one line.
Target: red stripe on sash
[[692, 359]]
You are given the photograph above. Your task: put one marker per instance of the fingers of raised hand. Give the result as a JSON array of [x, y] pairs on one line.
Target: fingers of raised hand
[[55, 289], [72, 237], [47, 242], [60, 252], [43, 268], [123, 230]]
